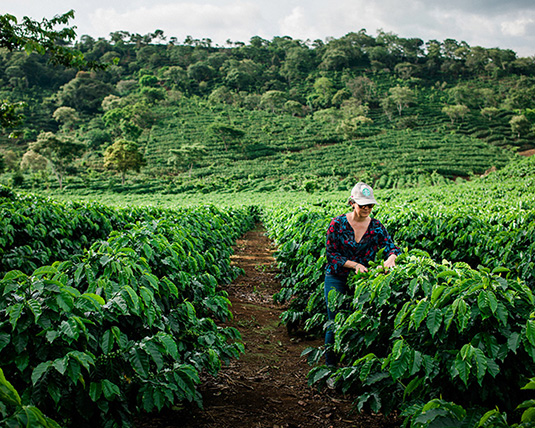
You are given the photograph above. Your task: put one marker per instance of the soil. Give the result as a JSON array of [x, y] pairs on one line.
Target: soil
[[267, 386], [527, 153]]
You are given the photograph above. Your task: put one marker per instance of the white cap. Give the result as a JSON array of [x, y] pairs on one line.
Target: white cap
[[362, 194]]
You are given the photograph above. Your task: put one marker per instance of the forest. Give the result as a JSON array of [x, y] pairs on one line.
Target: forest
[[147, 113]]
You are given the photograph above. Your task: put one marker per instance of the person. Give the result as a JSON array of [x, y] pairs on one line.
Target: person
[[353, 240]]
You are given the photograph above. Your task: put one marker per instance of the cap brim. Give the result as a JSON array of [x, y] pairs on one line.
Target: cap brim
[[365, 201]]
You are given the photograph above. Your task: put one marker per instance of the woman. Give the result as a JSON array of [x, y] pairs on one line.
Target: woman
[[353, 239]]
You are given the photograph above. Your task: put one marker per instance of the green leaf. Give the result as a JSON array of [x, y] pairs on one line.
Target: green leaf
[[169, 343], [513, 342], [14, 274], [45, 270], [95, 391], [483, 302], [493, 302], [317, 374], [401, 359], [155, 354], [40, 370], [5, 338], [8, 394], [501, 313], [132, 298], [73, 370], [107, 341], [60, 365], [35, 307], [419, 313], [84, 358], [65, 300], [530, 384], [110, 390], [96, 301], [481, 364], [437, 292], [139, 361], [158, 399], [413, 385], [462, 368], [14, 312], [530, 331], [69, 329], [528, 415], [402, 314], [434, 321]]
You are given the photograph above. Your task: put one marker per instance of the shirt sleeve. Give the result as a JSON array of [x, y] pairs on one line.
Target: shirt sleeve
[[386, 242], [333, 246]]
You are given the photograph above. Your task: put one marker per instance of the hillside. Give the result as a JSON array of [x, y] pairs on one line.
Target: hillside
[[281, 114]]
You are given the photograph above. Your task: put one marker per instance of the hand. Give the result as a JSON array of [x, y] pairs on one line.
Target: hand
[[391, 261], [360, 268]]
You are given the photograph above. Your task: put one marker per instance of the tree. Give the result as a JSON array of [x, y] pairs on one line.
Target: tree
[[273, 100], [36, 163], [60, 152], [295, 108], [351, 128], [362, 88], [41, 37], [520, 125], [200, 71], [84, 93], [242, 75], [225, 132], [10, 115], [490, 112], [129, 121], [186, 156], [66, 115], [123, 156], [458, 111], [297, 64], [402, 97]]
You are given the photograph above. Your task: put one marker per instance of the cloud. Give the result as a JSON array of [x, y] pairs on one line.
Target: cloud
[[517, 27], [488, 23], [216, 21]]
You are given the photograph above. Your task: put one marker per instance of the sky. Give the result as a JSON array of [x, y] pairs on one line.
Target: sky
[[505, 24]]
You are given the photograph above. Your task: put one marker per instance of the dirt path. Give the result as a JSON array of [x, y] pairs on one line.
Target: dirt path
[[267, 386]]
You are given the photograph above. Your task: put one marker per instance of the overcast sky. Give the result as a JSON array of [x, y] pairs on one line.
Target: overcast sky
[[506, 24]]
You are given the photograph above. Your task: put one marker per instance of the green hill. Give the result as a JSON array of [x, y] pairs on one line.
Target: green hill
[[280, 114]]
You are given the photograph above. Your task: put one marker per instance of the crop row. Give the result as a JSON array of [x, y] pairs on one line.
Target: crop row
[[124, 326], [452, 320]]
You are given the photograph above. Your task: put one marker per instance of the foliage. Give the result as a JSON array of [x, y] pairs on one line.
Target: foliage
[[13, 413], [42, 37], [127, 323], [426, 335], [59, 151], [426, 330], [10, 115], [382, 97], [123, 155]]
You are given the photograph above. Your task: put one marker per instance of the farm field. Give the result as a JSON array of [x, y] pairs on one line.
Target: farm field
[[164, 208], [93, 282]]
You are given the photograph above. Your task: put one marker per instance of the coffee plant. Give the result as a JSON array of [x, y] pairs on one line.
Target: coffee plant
[[127, 324], [450, 326]]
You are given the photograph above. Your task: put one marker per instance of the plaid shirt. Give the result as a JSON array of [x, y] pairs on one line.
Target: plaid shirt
[[341, 245]]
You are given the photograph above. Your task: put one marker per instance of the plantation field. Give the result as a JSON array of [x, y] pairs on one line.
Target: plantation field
[[123, 299]]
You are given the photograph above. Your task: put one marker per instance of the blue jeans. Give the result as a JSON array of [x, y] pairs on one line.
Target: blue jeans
[[338, 283]]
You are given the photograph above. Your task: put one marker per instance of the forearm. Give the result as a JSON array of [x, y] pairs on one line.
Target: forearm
[[356, 266]]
